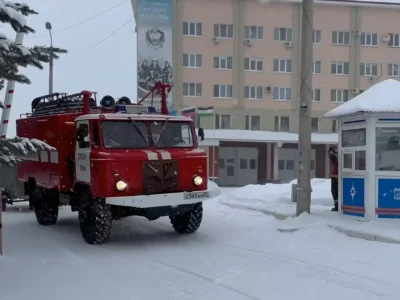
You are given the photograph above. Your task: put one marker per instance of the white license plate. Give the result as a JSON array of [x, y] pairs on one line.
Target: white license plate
[[196, 195]]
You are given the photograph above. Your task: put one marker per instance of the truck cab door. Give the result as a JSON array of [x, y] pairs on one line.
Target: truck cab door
[[82, 153]]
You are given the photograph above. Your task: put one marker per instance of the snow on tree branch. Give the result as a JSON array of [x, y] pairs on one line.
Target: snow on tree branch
[[15, 150], [12, 55]]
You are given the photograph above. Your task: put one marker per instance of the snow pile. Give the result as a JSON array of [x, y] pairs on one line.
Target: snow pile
[[14, 150], [276, 198], [382, 97]]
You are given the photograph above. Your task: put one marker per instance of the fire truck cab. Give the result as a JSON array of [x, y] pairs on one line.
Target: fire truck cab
[[113, 161]]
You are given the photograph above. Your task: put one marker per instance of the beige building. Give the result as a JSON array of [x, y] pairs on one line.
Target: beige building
[[243, 58]]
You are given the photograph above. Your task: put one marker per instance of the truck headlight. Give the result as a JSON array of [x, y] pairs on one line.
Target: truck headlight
[[197, 180], [121, 185]]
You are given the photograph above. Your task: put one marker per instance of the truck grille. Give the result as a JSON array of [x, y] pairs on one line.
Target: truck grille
[[160, 177]]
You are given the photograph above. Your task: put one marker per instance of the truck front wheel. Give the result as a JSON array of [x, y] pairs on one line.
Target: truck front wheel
[[46, 206], [95, 221], [188, 222]]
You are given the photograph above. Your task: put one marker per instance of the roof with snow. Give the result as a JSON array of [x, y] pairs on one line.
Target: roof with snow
[[383, 97], [231, 135]]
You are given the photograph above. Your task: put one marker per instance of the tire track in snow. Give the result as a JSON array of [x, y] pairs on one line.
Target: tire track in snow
[[317, 271], [202, 277]]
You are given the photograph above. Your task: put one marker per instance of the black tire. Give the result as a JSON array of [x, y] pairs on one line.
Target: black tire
[[95, 221], [188, 222], [45, 204]]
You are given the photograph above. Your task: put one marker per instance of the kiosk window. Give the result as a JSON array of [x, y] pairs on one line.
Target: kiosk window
[[360, 160], [347, 160], [354, 137], [387, 149]]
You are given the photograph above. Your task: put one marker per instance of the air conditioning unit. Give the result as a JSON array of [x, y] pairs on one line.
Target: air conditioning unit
[[247, 42], [268, 89], [386, 38], [215, 40], [288, 44], [371, 78], [355, 91], [356, 32]]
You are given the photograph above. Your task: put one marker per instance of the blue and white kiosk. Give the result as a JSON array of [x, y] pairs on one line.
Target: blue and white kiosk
[[369, 153]]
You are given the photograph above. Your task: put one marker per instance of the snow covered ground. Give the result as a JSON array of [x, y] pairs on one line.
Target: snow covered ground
[[236, 254]]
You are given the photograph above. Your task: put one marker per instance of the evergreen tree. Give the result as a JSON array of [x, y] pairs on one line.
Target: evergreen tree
[[13, 56], [14, 150]]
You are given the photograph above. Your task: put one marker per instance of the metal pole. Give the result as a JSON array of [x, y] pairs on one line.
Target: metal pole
[[5, 115], [304, 167], [51, 65]]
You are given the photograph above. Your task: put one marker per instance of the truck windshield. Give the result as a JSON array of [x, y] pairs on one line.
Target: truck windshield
[[125, 135], [170, 134]]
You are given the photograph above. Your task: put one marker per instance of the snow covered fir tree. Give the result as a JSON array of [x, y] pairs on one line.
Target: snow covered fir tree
[[12, 57]]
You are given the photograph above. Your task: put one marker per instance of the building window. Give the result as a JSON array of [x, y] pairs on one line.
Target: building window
[[340, 37], [223, 62], [369, 69], [283, 34], [393, 70], [222, 122], [340, 68], [253, 32], [253, 92], [369, 39], [222, 91], [316, 97], [192, 60], [282, 123], [394, 40], [282, 93], [283, 65], [314, 124], [253, 64], [253, 123], [192, 29], [191, 89], [316, 67], [224, 31], [339, 96], [334, 126], [317, 37]]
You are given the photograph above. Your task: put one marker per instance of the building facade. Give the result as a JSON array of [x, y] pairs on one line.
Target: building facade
[[242, 58]]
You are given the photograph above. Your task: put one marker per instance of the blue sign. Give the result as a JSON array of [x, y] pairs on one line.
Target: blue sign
[[388, 193], [353, 192]]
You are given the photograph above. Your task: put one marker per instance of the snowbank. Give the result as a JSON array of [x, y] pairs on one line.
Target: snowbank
[[276, 198]]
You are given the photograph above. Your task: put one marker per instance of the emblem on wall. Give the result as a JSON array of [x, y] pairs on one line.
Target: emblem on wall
[[155, 39]]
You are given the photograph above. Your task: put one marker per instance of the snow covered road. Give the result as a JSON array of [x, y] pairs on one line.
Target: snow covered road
[[235, 255]]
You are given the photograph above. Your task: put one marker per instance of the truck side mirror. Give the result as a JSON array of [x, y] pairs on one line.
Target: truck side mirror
[[81, 133], [201, 134]]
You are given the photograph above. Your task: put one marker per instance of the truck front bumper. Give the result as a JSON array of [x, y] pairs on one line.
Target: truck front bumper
[[160, 200]]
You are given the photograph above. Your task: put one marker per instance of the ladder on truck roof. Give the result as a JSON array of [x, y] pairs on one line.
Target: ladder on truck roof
[[58, 103]]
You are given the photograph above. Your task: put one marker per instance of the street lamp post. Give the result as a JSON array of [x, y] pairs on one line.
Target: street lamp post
[[48, 27]]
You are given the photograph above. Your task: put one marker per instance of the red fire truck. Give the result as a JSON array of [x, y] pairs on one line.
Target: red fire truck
[[112, 161]]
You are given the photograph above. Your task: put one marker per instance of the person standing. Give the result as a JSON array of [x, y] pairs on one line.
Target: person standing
[[333, 174]]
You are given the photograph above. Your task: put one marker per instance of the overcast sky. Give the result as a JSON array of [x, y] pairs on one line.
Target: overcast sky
[[109, 68]]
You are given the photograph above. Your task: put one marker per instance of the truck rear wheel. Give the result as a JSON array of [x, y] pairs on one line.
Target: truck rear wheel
[[188, 222], [46, 206], [95, 221]]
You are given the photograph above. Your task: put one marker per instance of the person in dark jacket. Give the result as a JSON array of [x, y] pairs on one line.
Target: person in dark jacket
[[333, 174]]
